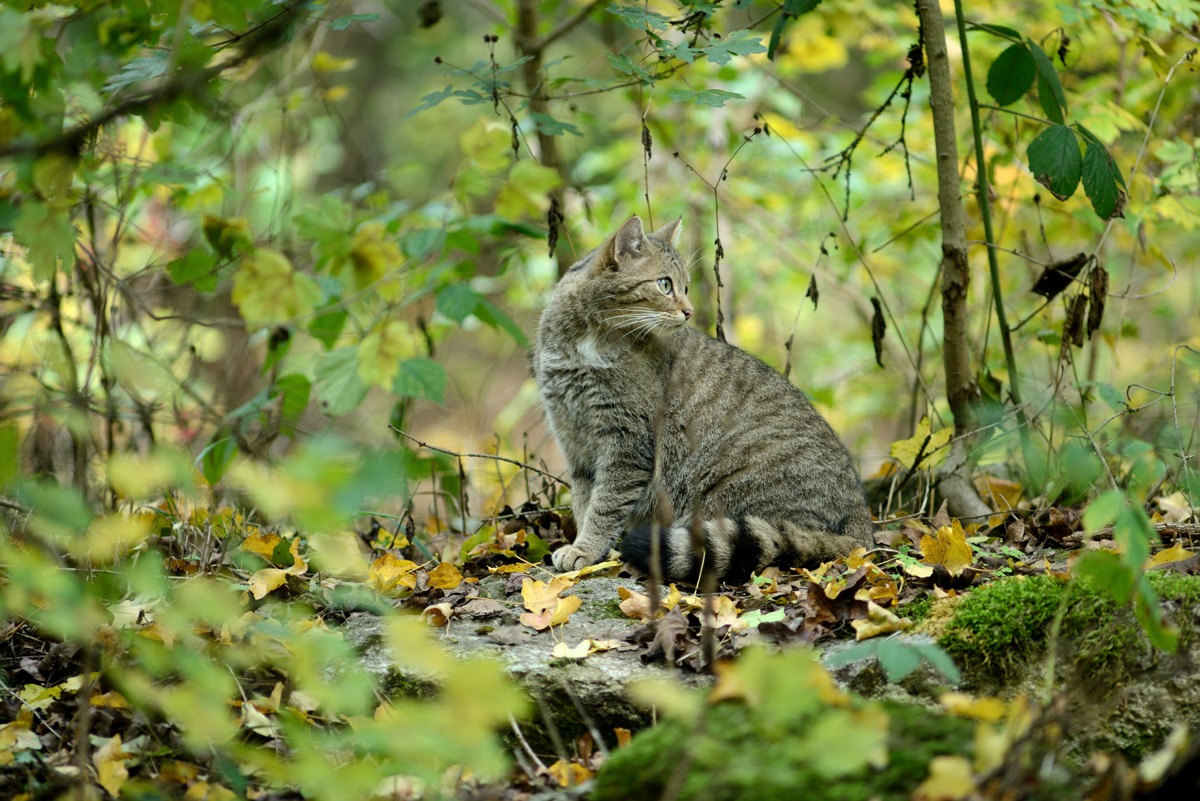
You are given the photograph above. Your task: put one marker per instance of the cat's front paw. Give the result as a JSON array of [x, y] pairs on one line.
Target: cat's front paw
[[571, 557]]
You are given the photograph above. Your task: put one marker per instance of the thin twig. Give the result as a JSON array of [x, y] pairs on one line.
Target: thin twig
[[493, 456]]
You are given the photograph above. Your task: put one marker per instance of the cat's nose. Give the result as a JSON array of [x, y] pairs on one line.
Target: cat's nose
[[687, 314]]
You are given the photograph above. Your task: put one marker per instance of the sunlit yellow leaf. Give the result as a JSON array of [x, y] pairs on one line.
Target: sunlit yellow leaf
[[263, 582], [372, 254], [948, 547], [261, 542], [380, 353], [539, 596], [487, 143], [563, 651], [445, 577], [203, 791], [569, 774], [390, 570], [950, 778], [1003, 494], [878, 621], [111, 699], [326, 62], [599, 567], [109, 760], [637, 606], [986, 708], [268, 290], [1176, 553], [928, 446]]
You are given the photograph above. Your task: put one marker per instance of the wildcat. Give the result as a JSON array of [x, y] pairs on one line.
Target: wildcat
[[638, 401]]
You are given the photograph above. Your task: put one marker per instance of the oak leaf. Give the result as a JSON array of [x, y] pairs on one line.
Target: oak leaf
[[948, 548]]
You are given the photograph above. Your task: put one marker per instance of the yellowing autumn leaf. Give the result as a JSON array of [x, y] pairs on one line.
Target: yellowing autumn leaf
[[555, 616], [326, 62], [445, 577], [950, 778], [563, 651], [927, 446], [268, 290], [262, 543], [986, 709], [1002, 493], [878, 621], [539, 596], [948, 547], [203, 791], [371, 255], [1176, 553], [380, 353], [600, 567], [569, 774], [524, 193], [389, 570], [487, 144], [262, 582], [110, 766], [637, 606]]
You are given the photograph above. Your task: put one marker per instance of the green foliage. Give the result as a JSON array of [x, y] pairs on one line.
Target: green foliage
[[899, 658]]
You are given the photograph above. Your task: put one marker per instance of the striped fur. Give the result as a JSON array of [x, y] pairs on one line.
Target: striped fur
[[645, 408]]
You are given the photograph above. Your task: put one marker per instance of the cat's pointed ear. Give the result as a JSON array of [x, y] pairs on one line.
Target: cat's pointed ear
[[670, 232], [627, 241]]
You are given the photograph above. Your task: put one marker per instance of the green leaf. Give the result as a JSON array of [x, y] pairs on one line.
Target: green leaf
[[1055, 160], [490, 313], [738, 43], [940, 660], [622, 63], [897, 659], [295, 390], [268, 290], [1109, 572], [339, 389], [716, 98], [1149, 614], [994, 30], [10, 458], [791, 10], [1050, 91], [457, 301], [1011, 75], [1102, 181], [421, 378], [430, 100], [328, 323], [552, 127], [50, 237], [217, 456], [342, 23], [198, 268], [61, 507], [640, 19]]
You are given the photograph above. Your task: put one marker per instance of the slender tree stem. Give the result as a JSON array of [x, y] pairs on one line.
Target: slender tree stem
[[985, 211]]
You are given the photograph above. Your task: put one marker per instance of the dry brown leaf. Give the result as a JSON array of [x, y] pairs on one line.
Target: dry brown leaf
[[437, 615]]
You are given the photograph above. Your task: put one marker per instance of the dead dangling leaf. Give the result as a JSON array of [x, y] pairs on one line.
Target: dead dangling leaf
[[878, 328], [1098, 290], [1059, 275]]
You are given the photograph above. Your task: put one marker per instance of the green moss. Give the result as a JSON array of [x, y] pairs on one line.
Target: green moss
[[918, 609], [609, 609], [739, 755], [999, 629]]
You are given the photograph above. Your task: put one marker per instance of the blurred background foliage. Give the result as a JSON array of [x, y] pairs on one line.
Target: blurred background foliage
[[238, 240]]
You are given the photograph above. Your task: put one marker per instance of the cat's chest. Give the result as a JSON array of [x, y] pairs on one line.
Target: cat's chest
[[592, 378]]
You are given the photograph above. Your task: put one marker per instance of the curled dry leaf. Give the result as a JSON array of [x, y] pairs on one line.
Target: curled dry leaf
[[878, 621], [637, 606], [437, 615]]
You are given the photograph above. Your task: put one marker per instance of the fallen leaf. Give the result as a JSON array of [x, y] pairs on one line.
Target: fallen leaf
[[445, 577], [389, 570], [1174, 508], [556, 616], [878, 621], [589, 570], [1004, 494], [1176, 553], [109, 760], [950, 778], [563, 651], [986, 709], [203, 791], [437, 615], [569, 774], [637, 606], [111, 699], [948, 548], [624, 736], [264, 581], [481, 607], [262, 543], [539, 596]]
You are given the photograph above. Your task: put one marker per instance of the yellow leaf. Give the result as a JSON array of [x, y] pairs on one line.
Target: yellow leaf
[[569, 774], [948, 547], [878, 621], [325, 62], [371, 255], [524, 193], [564, 609], [203, 791], [986, 709], [539, 596], [380, 353], [265, 581], [563, 651], [1003, 494], [487, 144], [445, 576], [111, 699], [637, 606], [110, 765], [928, 446], [437, 615], [389, 570], [268, 290], [262, 543], [1176, 553], [599, 567], [949, 779]]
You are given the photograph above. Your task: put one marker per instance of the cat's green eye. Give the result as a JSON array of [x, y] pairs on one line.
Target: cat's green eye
[[665, 285]]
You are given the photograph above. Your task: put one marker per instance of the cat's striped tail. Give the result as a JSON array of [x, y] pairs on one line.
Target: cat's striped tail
[[734, 549]]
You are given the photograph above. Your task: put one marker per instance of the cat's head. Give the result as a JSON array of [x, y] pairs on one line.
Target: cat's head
[[643, 281]]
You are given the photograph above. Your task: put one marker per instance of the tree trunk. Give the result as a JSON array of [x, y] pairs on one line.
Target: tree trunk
[[962, 392]]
